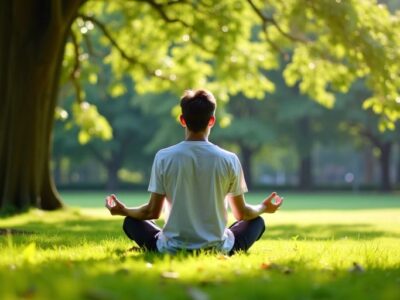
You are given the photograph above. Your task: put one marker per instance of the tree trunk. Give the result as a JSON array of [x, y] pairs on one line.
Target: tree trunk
[[368, 166], [398, 171], [384, 159], [247, 154], [32, 39], [112, 175], [304, 149], [305, 173]]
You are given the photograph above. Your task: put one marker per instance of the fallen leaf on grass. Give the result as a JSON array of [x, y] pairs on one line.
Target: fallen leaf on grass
[[273, 266], [197, 294], [270, 266], [170, 275], [356, 268], [287, 271], [223, 257], [122, 271]]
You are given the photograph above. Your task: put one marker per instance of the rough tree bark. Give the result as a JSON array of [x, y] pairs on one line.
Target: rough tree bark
[[32, 39]]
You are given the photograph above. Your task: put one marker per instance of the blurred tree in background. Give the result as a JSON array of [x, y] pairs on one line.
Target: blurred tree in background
[[226, 46], [363, 126]]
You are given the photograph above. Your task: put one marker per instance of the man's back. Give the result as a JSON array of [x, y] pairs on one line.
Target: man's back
[[195, 176]]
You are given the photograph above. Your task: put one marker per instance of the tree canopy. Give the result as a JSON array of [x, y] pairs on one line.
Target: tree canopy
[[228, 47]]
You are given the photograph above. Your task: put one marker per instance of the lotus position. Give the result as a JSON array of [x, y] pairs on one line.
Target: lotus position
[[196, 180]]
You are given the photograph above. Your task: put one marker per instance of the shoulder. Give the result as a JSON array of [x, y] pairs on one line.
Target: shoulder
[[166, 152], [226, 153], [228, 156]]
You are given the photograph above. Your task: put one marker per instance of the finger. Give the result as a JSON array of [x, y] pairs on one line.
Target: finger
[[269, 199], [110, 201], [114, 198], [278, 201]]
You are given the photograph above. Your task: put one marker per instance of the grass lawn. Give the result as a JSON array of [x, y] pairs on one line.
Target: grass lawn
[[320, 246]]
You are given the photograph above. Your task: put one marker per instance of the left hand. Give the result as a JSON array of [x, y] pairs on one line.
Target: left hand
[[115, 206], [270, 206]]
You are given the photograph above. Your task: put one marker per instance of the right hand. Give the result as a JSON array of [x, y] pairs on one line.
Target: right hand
[[115, 206], [270, 206]]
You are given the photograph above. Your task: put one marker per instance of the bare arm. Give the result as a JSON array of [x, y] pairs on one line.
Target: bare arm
[[243, 211], [149, 211]]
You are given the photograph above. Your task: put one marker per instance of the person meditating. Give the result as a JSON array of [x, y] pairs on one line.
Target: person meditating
[[196, 179]]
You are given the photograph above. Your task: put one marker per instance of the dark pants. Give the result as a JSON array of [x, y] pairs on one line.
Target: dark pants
[[144, 233]]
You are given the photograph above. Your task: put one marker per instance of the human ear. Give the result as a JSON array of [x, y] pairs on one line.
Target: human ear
[[182, 121], [211, 122]]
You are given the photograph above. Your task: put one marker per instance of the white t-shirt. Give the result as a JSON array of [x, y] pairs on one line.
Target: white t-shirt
[[196, 176]]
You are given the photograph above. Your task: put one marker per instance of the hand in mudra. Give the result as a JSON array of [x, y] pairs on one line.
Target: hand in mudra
[[272, 203], [115, 206]]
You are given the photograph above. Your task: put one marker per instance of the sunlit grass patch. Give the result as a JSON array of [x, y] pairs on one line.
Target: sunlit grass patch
[[83, 254]]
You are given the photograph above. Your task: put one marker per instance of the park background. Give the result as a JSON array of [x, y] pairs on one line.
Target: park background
[[307, 96], [285, 139]]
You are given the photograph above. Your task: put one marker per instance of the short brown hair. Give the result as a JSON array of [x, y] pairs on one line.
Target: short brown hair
[[198, 106]]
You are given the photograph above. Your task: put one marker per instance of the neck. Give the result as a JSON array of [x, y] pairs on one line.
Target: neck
[[196, 136]]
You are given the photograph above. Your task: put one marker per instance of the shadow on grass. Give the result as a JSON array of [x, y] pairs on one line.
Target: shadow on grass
[[90, 230], [357, 231]]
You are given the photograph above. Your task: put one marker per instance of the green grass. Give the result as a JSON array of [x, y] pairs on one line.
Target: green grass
[[293, 201], [308, 252]]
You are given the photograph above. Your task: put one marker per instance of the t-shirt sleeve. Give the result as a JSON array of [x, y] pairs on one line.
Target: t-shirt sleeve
[[238, 184], [156, 184]]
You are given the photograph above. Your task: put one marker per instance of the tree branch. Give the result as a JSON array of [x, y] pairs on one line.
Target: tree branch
[[371, 137], [89, 45], [276, 47], [109, 37], [164, 16], [122, 52], [265, 19], [159, 8], [173, 2]]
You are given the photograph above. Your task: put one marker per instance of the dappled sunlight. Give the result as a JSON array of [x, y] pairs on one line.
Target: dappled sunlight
[[317, 269], [51, 217], [357, 222], [321, 232], [84, 254]]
